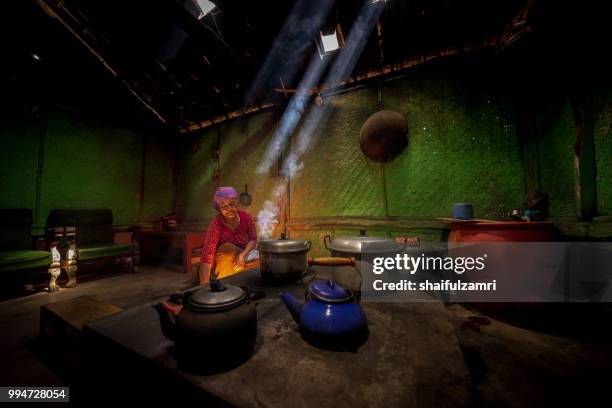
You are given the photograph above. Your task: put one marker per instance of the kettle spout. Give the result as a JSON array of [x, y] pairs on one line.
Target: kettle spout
[[294, 306], [167, 322]]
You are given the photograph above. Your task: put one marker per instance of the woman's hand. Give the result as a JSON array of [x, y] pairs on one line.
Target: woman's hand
[[240, 261], [204, 273]]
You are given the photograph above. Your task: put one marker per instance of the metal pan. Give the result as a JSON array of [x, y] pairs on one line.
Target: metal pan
[[245, 198]]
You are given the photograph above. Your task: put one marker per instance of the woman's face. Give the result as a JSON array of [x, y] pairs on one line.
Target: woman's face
[[228, 207]]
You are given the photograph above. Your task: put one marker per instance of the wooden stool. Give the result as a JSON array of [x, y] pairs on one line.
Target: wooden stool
[[72, 314], [61, 325]]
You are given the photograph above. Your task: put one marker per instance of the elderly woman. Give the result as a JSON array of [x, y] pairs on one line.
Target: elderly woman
[[230, 237]]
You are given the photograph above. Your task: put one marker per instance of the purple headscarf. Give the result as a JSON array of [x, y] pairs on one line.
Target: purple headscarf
[[223, 192]]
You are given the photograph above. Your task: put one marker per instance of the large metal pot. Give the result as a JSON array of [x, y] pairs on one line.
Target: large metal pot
[[283, 259], [355, 247]]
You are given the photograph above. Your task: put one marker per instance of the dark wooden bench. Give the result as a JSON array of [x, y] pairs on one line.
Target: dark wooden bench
[[18, 258], [86, 236]]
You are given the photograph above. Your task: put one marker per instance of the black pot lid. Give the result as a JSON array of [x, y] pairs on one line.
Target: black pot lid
[[216, 297], [329, 291], [283, 245], [364, 243]]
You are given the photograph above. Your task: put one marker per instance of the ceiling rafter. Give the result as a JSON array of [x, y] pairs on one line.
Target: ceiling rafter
[[51, 12], [356, 79], [489, 42]]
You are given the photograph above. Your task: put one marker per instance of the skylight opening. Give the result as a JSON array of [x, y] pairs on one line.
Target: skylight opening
[[329, 42], [205, 6]]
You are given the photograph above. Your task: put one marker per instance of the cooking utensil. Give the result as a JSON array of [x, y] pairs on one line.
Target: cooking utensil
[[384, 136], [283, 260], [216, 329], [245, 198], [286, 260], [355, 247], [330, 318]]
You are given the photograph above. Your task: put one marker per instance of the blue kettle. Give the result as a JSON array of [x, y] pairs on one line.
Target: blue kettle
[[330, 318]]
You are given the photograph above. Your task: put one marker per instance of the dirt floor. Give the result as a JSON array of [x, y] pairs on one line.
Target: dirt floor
[[19, 318], [513, 366], [527, 355]]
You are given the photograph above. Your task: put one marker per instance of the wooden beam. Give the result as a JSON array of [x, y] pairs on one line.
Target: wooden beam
[[517, 28], [380, 42], [51, 13], [584, 151], [526, 130], [222, 118], [409, 62]]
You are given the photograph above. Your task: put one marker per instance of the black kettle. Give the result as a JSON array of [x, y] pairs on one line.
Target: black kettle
[[215, 331]]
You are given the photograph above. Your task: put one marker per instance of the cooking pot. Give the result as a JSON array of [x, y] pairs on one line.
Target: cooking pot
[[286, 260], [356, 247], [216, 329], [283, 259]]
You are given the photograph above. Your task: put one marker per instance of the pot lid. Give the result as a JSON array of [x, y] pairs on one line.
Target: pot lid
[[283, 245], [329, 291], [216, 296], [364, 243]]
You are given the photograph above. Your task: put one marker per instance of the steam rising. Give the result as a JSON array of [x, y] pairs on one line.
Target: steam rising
[[292, 115], [267, 219], [314, 122], [290, 46]]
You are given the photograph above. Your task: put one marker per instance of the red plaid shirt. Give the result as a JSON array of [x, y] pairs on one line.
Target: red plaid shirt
[[218, 233]]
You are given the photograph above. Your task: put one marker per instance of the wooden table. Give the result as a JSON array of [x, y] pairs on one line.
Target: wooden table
[[412, 358], [502, 231], [154, 244]]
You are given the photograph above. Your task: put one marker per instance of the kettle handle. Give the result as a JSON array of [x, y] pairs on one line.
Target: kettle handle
[[253, 294], [167, 321]]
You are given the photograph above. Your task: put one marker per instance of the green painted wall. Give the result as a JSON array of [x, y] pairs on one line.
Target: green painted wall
[[462, 148], [195, 185], [159, 180], [86, 163], [337, 179], [90, 165], [603, 148], [19, 144], [242, 144], [556, 134]]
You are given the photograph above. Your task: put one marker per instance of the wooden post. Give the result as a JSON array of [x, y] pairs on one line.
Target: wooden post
[[584, 150], [528, 142]]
